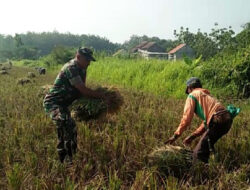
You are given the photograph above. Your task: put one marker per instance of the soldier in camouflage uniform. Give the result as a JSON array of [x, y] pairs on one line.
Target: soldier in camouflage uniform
[[68, 86]]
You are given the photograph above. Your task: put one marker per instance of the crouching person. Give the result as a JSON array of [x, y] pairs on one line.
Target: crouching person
[[217, 120], [68, 86]]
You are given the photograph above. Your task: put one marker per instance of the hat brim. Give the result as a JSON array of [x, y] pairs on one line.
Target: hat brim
[[90, 58]]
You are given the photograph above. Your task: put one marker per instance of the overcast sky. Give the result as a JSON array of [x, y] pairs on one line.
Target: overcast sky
[[117, 20]]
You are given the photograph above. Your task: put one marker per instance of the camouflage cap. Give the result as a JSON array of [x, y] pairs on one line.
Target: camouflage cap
[[87, 52]]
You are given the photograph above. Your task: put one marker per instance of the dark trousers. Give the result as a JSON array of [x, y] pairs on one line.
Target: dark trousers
[[66, 130], [67, 138], [219, 125]]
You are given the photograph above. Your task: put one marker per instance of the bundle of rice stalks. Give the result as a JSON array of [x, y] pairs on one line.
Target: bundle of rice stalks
[[31, 75], [115, 98], [23, 81], [4, 68], [170, 159], [86, 109], [4, 72]]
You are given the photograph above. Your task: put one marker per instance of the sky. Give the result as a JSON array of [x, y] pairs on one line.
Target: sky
[[117, 20]]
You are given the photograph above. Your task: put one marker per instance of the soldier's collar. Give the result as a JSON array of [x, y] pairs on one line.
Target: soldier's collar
[[76, 63]]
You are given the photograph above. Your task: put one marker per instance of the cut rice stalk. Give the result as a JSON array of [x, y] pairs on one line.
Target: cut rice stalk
[[86, 108], [171, 159]]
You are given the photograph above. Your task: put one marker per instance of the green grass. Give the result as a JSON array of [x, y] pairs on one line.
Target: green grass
[[154, 76], [111, 153], [160, 77]]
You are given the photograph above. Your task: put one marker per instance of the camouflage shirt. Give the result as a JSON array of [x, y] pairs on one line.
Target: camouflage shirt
[[63, 91]]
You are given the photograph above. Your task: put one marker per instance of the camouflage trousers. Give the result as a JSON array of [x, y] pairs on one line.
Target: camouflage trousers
[[66, 129]]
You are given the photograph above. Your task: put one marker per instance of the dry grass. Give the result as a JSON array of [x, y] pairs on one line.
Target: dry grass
[[111, 154]]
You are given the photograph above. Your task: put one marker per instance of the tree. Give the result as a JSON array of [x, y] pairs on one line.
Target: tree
[[32, 45], [208, 45], [61, 55], [18, 40], [243, 38], [223, 37], [99, 44]]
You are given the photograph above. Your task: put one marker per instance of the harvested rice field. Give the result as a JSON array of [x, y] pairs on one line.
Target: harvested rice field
[[119, 150]]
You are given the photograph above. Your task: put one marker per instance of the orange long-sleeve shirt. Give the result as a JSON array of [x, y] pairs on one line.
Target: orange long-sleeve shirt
[[203, 105]]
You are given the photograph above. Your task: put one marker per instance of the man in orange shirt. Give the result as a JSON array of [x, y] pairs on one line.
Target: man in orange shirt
[[216, 120]]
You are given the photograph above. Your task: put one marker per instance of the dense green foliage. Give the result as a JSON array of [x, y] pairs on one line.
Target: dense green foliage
[[111, 152], [218, 41], [33, 45], [229, 72]]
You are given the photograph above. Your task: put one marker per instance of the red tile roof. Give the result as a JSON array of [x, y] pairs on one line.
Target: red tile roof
[[177, 48]]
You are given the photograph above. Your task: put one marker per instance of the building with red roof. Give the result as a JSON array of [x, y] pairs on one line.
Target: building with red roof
[[181, 51]]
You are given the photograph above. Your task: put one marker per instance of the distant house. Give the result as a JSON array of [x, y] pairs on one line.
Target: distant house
[[150, 49], [181, 50], [136, 48], [148, 46]]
